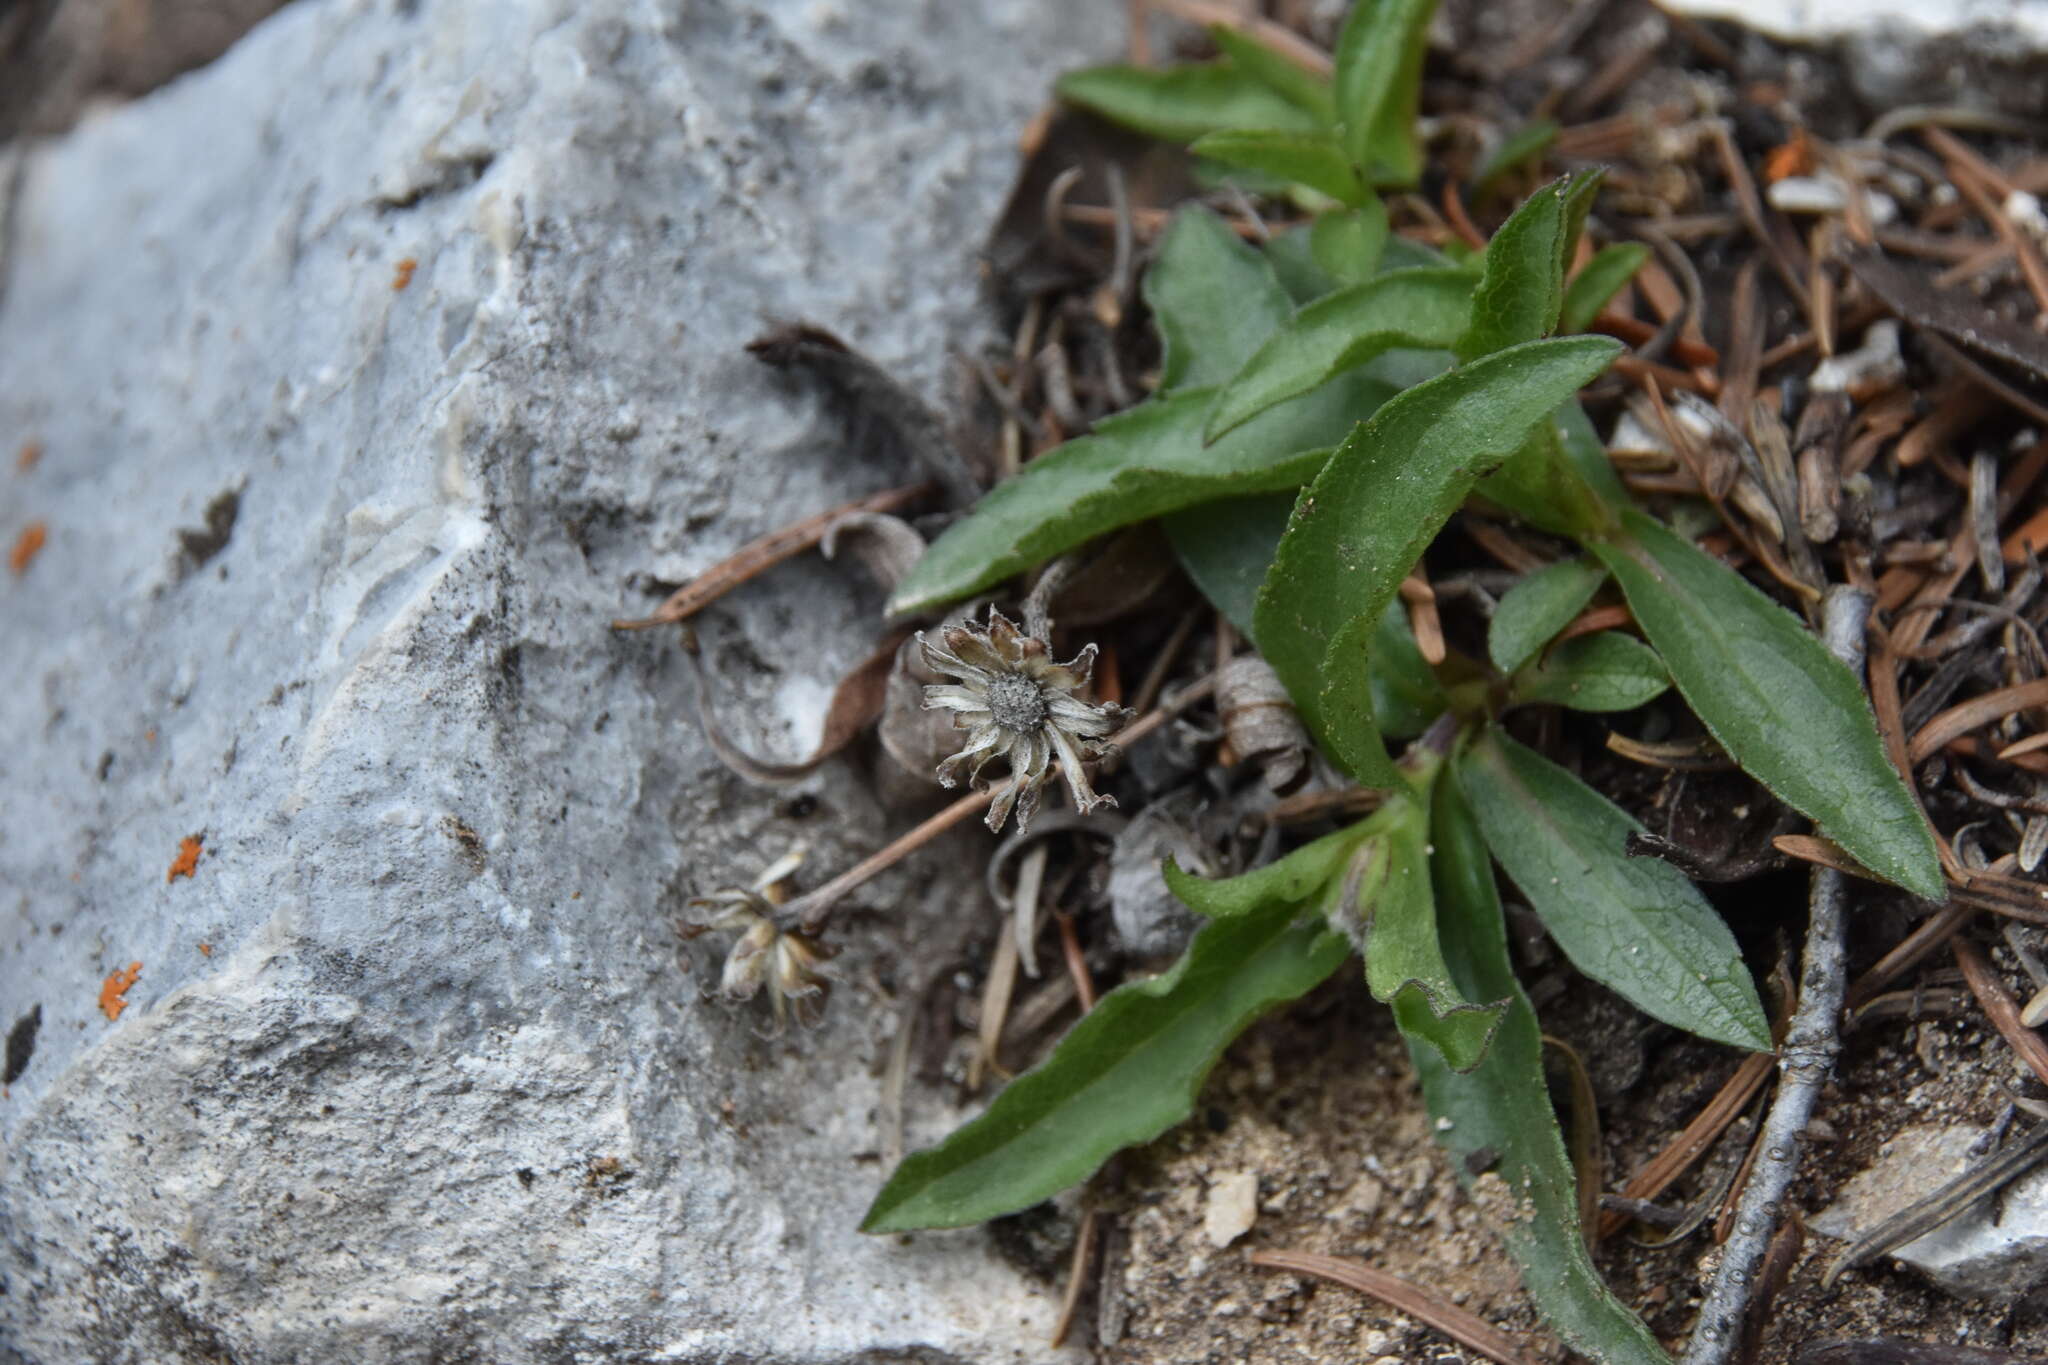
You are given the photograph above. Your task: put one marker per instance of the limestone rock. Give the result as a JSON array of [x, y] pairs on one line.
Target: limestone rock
[[373, 369]]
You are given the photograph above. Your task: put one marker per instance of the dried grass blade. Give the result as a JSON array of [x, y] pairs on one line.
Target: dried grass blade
[[760, 555], [1462, 1327]]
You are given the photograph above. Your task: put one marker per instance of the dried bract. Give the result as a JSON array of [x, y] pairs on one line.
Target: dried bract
[[1016, 703], [784, 961]]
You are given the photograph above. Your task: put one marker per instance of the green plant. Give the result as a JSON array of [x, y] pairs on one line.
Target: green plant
[[1325, 405]]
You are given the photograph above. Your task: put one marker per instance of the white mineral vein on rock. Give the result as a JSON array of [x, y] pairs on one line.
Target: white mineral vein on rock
[[445, 1087]]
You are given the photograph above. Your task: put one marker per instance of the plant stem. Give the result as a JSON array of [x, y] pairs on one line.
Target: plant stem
[[1808, 1053]]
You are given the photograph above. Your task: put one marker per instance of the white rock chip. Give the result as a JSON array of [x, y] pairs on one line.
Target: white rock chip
[[1999, 1249], [327, 582], [1232, 1207]]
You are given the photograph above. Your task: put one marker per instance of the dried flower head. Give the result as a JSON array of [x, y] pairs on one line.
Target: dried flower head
[[1016, 703], [783, 960]]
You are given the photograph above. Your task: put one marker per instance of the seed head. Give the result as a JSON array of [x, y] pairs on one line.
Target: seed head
[[786, 962], [1015, 703]]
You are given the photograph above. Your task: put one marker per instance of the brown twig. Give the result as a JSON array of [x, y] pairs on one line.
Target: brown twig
[[1804, 1060]]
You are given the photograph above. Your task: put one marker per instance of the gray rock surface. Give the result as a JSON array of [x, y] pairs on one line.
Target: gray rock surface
[[414, 1067], [1995, 1250], [1982, 54]]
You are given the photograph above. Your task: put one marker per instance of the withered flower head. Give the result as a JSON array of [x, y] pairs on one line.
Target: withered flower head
[[783, 960], [1016, 703]]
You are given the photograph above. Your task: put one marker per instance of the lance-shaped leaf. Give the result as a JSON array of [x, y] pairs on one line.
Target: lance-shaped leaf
[[1359, 528], [1606, 671], [1311, 159], [1586, 453], [1128, 1071], [1213, 298], [1135, 466], [1292, 880], [1540, 605], [1541, 486], [1348, 243], [1636, 925], [1276, 73], [1379, 85], [1496, 1122], [1181, 103], [1521, 285], [1293, 258], [1227, 547], [1597, 282], [1527, 143], [1769, 692], [1412, 309], [1388, 908]]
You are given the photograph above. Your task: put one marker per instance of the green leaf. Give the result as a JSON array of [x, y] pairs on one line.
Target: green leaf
[[1347, 244], [1276, 73], [1496, 1122], [1769, 692], [1542, 486], [1598, 281], [1291, 880], [1228, 546], [1540, 605], [1214, 300], [1526, 143], [1402, 254], [1636, 925], [1406, 695], [1586, 453], [1389, 909], [1135, 466], [1181, 103], [1379, 85], [1128, 1071], [1606, 671], [1578, 191], [1292, 254], [1416, 309], [1522, 283], [1359, 528], [1312, 159]]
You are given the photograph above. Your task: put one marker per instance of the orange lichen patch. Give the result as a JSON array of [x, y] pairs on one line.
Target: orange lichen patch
[[187, 859], [206, 950], [26, 547], [402, 276], [114, 990], [1793, 157], [31, 451]]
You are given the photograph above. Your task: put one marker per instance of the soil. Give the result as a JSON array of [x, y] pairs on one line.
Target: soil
[[1320, 1103]]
